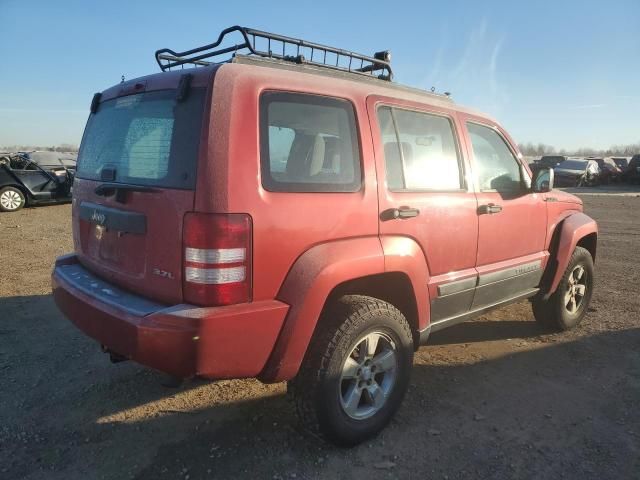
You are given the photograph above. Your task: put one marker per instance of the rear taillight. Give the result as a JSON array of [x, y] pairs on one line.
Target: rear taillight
[[217, 259]]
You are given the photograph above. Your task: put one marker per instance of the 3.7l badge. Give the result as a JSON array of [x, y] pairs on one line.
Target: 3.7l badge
[[162, 273]]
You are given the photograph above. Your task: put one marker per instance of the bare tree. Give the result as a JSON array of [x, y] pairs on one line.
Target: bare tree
[[540, 149]]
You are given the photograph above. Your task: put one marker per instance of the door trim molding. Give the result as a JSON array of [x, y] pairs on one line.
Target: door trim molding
[[509, 272], [460, 297], [457, 286], [454, 320]]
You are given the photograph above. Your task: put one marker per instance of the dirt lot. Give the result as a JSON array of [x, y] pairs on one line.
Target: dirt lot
[[493, 398]]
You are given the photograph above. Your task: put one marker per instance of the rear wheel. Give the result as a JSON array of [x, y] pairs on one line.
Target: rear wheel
[[11, 199], [356, 372], [567, 306]]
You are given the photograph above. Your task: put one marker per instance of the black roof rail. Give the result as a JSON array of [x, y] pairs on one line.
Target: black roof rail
[[282, 48]]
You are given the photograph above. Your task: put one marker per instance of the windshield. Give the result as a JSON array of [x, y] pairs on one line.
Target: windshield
[[148, 139], [573, 165]]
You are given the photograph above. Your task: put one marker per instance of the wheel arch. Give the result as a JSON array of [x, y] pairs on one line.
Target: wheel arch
[[392, 287], [325, 272], [589, 242], [576, 230]]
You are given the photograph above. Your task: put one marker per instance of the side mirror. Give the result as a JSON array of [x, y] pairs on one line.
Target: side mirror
[[543, 180]]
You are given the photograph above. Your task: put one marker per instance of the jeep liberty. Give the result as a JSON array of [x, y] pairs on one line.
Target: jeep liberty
[[292, 214]]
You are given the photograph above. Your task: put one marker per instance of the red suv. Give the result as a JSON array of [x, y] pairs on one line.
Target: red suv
[[292, 214]]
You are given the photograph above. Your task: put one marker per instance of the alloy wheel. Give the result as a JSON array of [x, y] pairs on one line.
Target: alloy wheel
[[368, 375], [10, 200], [576, 289]]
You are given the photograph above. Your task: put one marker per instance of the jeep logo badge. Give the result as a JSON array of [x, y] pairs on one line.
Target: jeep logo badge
[[98, 217]]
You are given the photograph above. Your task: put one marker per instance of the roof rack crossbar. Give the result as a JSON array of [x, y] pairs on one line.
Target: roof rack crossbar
[[369, 65]]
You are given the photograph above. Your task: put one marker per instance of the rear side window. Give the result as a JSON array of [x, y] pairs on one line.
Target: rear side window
[[147, 139], [420, 151], [308, 143], [497, 168]]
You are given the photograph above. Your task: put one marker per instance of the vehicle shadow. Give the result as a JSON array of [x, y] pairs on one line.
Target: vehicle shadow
[[533, 414], [487, 330], [554, 411]]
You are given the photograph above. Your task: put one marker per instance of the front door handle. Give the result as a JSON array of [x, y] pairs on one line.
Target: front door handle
[[399, 213], [489, 209]]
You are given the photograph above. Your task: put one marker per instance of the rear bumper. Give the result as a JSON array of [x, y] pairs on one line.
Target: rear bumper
[[181, 340]]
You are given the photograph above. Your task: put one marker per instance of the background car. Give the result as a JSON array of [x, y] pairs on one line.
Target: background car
[[621, 162], [576, 172], [609, 171], [547, 161], [632, 174], [25, 182]]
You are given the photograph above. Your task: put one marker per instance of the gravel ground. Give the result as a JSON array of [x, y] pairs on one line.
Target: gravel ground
[[494, 398]]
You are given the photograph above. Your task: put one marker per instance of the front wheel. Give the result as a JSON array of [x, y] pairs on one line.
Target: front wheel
[[567, 306], [11, 199], [356, 371]]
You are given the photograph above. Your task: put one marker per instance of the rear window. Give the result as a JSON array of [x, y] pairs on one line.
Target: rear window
[[147, 139], [308, 143]]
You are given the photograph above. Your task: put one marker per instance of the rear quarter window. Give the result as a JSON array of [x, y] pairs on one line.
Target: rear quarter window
[[308, 143]]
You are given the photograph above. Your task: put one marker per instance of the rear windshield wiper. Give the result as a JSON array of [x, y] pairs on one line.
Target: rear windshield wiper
[[120, 189]]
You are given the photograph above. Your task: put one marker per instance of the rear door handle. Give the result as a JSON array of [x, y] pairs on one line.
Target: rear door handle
[[489, 209], [399, 213]]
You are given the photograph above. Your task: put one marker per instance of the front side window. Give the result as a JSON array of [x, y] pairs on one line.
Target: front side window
[[308, 143], [496, 167], [420, 150]]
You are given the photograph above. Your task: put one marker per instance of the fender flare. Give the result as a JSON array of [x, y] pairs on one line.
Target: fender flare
[[573, 228], [306, 288], [403, 254]]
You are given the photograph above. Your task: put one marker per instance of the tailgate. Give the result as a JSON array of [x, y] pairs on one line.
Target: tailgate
[[136, 245]]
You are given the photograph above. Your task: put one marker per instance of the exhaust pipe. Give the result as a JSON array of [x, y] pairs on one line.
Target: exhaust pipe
[[113, 356]]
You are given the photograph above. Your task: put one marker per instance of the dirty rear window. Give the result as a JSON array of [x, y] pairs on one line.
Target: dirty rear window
[[147, 139]]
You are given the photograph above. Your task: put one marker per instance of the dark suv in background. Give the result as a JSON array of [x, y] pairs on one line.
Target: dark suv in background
[[632, 174], [547, 161]]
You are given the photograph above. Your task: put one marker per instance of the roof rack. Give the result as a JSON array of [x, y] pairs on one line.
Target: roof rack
[[271, 45]]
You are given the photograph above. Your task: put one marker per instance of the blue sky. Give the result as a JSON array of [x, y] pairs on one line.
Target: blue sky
[[566, 73]]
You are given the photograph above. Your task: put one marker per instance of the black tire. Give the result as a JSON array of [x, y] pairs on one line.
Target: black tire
[[318, 390], [553, 312], [11, 199]]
